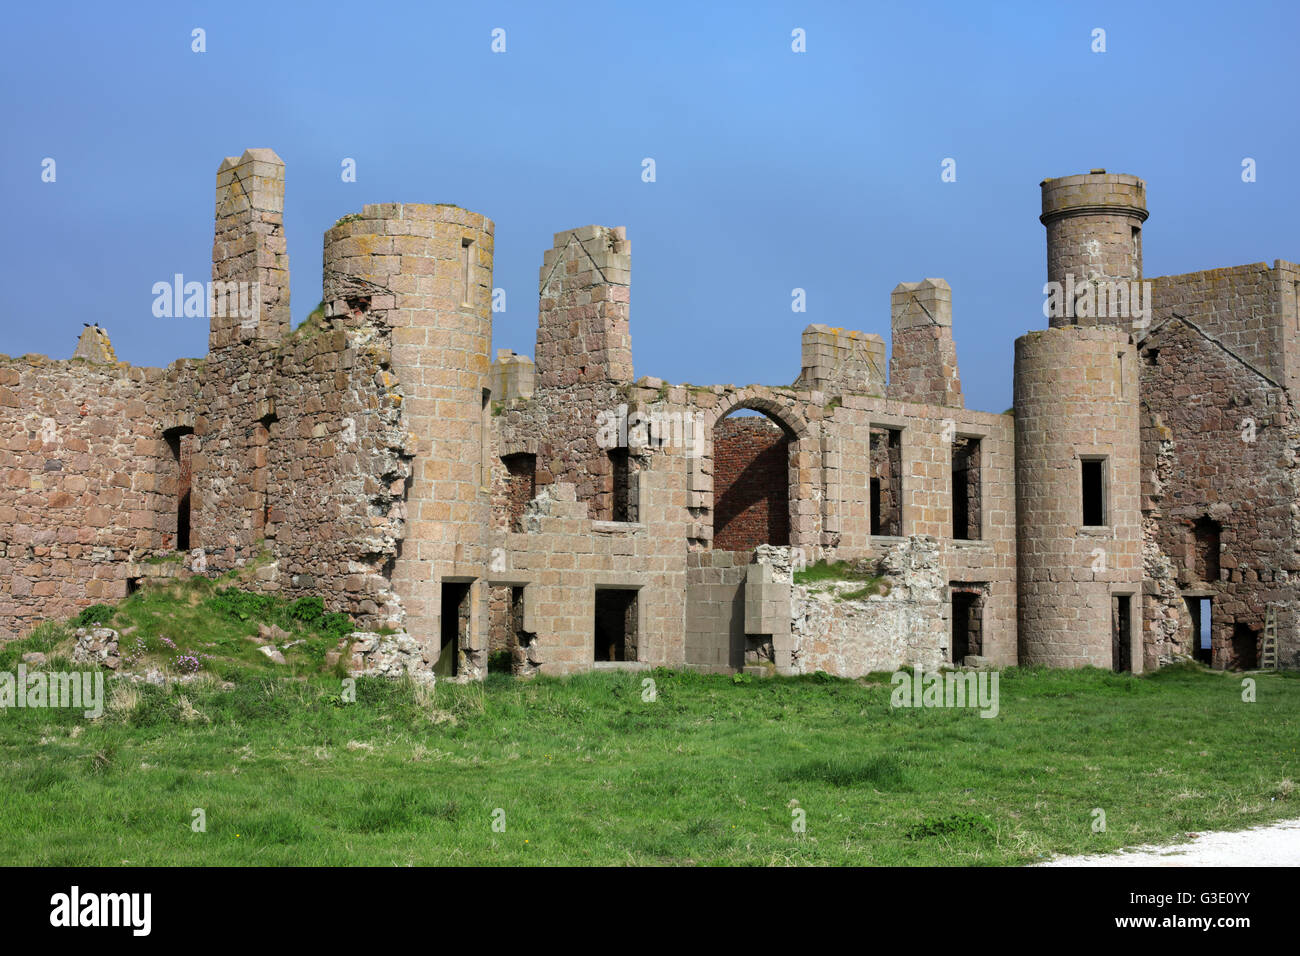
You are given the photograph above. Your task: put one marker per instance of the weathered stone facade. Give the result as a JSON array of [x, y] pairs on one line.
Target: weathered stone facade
[[573, 516]]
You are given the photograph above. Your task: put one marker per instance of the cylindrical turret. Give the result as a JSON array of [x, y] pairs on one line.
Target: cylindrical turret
[[1094, 234], [1079, 526], [429, 268]]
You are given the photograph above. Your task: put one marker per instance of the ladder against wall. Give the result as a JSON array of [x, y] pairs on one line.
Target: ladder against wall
[[1268, 653]]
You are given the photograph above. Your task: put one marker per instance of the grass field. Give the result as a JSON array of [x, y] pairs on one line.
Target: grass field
[[585, 771]]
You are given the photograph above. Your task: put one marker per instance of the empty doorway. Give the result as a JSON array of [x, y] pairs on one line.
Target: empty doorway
[[455, 620], [1200, 608], [1121, 633], [616, 624], [967, 622]]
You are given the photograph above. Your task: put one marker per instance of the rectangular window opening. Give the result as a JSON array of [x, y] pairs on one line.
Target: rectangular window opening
[[1206, 536], [466, 248], [182, 443], [508, 642], [260, 442], [886, 466], [620, 491], [967, 515], [1094, 492], [616, 624], [521, 486]]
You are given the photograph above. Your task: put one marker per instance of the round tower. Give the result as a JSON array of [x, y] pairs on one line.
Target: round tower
[[428, 270], [1094, 233], [1078, 518]]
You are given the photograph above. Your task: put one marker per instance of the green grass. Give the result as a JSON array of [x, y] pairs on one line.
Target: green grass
[[839, 572], [832, 571], [713, 771]]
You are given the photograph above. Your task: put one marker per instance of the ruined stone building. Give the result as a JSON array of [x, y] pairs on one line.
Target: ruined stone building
[[564, 510]]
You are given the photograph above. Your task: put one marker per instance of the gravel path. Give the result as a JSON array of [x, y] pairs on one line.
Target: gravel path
[[1275, 845]]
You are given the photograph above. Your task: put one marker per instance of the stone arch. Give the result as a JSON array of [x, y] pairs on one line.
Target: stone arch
[[793, 423], [803, 466]]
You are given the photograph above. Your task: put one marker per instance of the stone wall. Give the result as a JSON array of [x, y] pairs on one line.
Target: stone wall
[[562, 557], [926, 435], [715, 610], [1250, 310], [582, 330], [837, 360], [87, 483], [1221, 465]]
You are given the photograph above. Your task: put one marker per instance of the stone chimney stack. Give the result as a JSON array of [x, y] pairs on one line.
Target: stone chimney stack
[[923, 363], [250, 267]]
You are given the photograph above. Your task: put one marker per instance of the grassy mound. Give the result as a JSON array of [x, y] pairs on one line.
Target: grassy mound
[[203, 626]]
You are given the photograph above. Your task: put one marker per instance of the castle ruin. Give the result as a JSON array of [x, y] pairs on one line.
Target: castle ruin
[[1145, 485]]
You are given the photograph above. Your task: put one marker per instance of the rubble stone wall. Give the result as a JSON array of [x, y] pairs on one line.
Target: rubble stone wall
[[1221, 444], [87, 483], [907, 622]]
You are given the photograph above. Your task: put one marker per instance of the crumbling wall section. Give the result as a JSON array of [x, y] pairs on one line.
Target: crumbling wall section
[[1221, 450], [903, 620], [87, 483], [304, 455], [340, 463]]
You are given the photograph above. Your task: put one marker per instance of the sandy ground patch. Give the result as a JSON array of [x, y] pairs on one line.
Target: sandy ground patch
[[1275, 845]]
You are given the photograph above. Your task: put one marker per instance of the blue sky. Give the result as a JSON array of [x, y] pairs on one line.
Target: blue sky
[[775, 170]]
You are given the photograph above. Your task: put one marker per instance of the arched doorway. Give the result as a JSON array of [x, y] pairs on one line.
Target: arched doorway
[[751, 480]]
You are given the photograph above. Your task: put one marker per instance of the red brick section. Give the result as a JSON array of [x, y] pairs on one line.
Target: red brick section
[[750, 484]]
